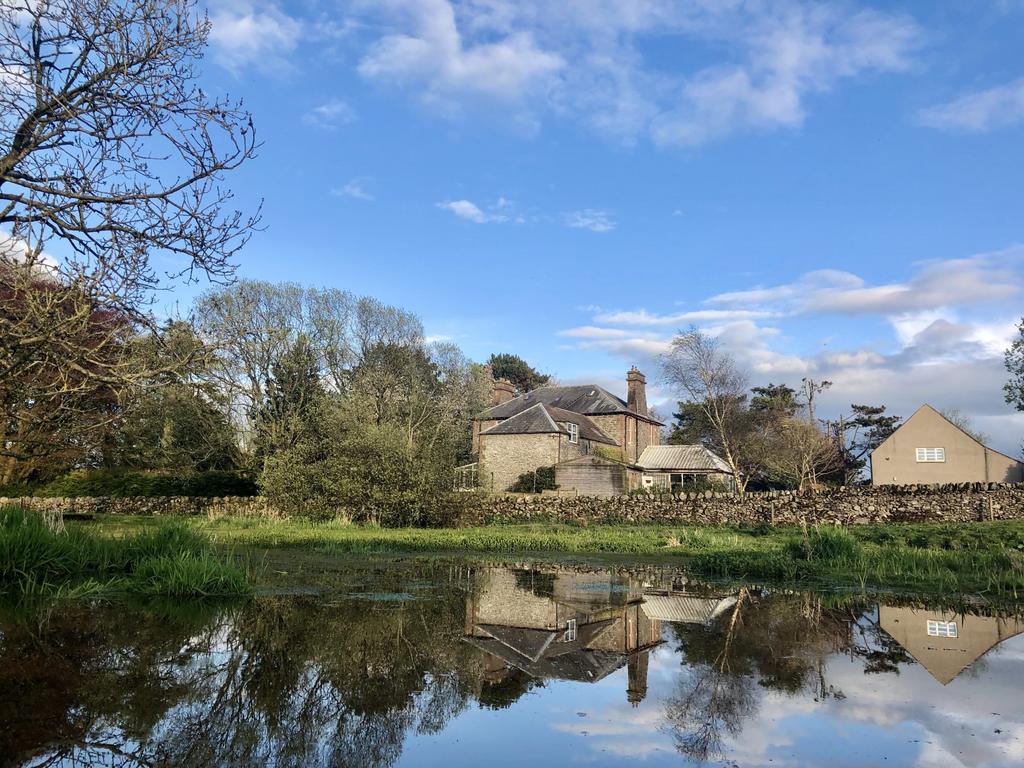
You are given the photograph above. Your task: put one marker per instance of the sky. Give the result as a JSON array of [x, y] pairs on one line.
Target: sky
[[833, 189]]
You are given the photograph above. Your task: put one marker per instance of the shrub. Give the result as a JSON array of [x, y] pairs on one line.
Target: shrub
[[541, 479]]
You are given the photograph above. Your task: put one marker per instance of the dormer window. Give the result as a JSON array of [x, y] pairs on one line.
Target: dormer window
[[574, 432]]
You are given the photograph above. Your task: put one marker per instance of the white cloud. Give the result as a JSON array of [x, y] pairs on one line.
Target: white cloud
[[257, 34], [19, 251], [329, 116], [434, 56], [590, 218], [790, 52], [948, 326], [470, 211], [643, 317], [353, 189], [978, 280], [587, 61], [980, 111]]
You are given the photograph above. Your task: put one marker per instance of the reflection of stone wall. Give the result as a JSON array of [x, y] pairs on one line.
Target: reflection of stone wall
[[848, 506]]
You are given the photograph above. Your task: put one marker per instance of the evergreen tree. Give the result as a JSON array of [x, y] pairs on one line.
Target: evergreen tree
[[867, 429], [524, 377], [292, 392]]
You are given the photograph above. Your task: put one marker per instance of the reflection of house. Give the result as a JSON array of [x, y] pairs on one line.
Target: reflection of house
[[686, 609], [566, 626], [943, 642], [675, 467], [928, 448], [549, 425]]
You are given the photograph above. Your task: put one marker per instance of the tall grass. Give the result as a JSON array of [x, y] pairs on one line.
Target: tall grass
[[963, 558], [170, 559]]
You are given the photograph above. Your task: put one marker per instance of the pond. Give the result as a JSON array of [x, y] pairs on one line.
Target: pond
[[450, 663]]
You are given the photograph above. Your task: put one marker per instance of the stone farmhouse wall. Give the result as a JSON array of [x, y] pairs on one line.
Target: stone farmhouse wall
[[503, 458], [844, 506]]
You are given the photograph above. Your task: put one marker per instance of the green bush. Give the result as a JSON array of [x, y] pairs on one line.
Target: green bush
[[541, 479], [123, 482]]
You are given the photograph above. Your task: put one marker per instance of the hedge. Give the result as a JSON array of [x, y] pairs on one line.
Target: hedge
[[121, 483]]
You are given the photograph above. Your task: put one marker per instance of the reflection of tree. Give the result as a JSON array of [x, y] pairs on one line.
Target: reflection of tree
[[712, 698], [75, 664], [275, 681], [881, 654], [504, 692], [779, 642]]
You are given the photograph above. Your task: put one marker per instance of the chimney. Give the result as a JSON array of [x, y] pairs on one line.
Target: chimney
[[502, 391], [636, 400]]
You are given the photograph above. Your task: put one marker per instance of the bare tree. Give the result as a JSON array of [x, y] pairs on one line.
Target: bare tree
[[252, 324], [699, 369], [811, 390], [963, 422], [798, 453], [109, 154], [109, 149]]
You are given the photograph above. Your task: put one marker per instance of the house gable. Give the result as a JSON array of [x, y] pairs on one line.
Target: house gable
[[929, 449]]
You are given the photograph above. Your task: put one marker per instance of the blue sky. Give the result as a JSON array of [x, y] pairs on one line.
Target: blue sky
[[832, 188]]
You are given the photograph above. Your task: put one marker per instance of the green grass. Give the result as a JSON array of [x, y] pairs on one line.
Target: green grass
[[981, 558], [168, 558]]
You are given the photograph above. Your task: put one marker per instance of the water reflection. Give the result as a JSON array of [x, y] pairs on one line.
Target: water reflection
[[426, 664]]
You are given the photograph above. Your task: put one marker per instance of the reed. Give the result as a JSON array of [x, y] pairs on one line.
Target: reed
[[170, 558]]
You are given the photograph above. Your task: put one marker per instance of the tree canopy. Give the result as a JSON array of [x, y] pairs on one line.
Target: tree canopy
[[1014, 387], [524, 377]]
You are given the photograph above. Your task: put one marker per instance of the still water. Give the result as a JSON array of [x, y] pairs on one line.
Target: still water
[[414, 663]]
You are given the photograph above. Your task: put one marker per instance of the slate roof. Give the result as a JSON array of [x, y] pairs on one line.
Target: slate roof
[[580, 666], [544, 419], [540, 653], [688, 458], [581, 398]]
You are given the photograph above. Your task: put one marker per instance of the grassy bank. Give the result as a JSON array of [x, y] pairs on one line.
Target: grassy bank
[[975, 558], [170, 558]]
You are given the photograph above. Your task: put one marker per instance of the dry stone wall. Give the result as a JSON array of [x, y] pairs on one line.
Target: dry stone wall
[[242, 506], [844, 506]]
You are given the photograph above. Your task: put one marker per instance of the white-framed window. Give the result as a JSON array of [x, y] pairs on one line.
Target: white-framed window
[[574, 432], [931, 455], [570, 631], [941, 628]]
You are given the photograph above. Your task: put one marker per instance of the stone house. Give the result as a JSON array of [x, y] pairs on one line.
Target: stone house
[[561, 625], [550, 425], [929, 449]]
